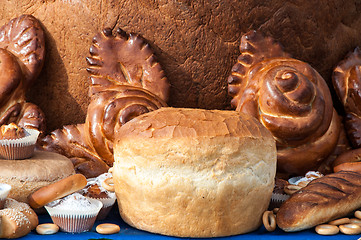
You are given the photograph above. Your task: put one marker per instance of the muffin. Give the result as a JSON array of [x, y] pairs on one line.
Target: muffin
[[74, 213], [95, 190], [4, 191], [16, 142], [11, 131]]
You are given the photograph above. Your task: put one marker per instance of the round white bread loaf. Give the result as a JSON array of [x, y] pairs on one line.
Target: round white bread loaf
[[193, 172], [28, 175]]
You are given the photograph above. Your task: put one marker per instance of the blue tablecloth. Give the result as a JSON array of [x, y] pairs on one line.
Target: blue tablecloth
[[128, 232]]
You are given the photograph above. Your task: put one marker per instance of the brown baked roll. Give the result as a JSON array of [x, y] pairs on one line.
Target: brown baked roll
[[322, 200], [194, 172], [346, 79], [289, 98], [125, 59], [22, 52]]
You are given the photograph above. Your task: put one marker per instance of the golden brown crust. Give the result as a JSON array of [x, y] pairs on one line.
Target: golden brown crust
[[125, 60], [289, 98], [24, 37], [348, 161], [346, 79], [194, 172], [57, 190], [17, 219], [22, 51], [126, 82], [322, 200]]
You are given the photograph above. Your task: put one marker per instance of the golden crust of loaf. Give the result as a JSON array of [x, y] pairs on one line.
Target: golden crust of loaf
[[193, 172]]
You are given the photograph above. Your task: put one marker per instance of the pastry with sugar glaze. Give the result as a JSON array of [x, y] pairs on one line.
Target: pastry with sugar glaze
[[346, 79], [289, 98], [126, 81], [22, 52]]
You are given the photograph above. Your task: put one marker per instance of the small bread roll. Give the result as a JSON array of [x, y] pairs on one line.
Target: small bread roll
[[193, 172]]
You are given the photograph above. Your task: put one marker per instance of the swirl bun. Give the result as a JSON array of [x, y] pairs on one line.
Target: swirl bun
[[111, 109], [289, 98]]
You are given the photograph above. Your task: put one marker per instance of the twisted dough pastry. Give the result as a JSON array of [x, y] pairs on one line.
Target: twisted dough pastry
[[346, 79], [22, 51], [126, 82], [289, 98]]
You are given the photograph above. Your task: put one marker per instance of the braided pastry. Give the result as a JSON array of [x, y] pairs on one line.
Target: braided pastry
[[126, 82], [346, 79], [289, 98], [22, 51], [16, 219]]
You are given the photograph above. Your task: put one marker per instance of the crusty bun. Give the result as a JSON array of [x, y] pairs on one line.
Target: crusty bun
[[28, 175], [17, 219], [193, 172]]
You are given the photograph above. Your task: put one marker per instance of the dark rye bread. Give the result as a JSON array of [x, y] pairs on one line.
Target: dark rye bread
[[324, 199], [196, 42]]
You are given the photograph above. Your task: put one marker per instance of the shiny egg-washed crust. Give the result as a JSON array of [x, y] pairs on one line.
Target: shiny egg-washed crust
[[126, 82], [346, 79], [124, 59], [289, 98], [322, 200], [22, 51]]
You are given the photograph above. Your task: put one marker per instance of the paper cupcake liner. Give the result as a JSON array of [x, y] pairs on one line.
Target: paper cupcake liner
[[277, 199], [22, 148], [75, 220], [4, 192], [107, 206]]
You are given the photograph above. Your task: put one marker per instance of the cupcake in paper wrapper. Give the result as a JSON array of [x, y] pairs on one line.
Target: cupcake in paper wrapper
[[278, 194], [19, 148], [74, 213], [94, 190], [4, 192]]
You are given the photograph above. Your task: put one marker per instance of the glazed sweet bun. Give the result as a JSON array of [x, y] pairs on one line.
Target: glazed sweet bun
[[193, 172], [28, 175]]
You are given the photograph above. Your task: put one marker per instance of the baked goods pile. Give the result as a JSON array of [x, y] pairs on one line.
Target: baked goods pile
[[180, 171], [126, 81]]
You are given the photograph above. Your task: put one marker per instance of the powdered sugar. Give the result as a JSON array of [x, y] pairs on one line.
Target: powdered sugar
[[73, 201], [98, 181], [309, 176], [4, 190]]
